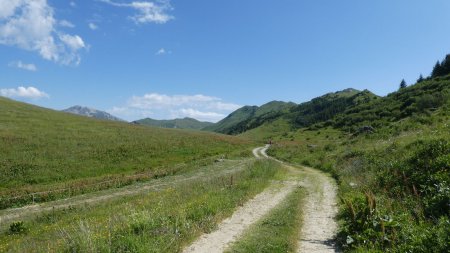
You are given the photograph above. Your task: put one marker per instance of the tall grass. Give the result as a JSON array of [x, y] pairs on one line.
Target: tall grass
[[393, 183], [160, 221]]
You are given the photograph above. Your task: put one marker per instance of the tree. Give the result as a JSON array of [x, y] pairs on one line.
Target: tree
[[437, 70], [445, 66], [403, 84], [420, 79]]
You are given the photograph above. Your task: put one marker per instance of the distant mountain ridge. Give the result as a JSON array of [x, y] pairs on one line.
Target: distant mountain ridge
[[184, 123], [91, 112]]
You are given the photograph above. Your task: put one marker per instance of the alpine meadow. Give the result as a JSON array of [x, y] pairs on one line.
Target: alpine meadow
[[238, 126]]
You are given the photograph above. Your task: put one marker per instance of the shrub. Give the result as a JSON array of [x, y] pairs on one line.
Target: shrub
[[17, 228]]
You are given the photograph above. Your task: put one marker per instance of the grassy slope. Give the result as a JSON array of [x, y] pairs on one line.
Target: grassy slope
[[236, 117], [185, 123], [41, 148], [249, 117]]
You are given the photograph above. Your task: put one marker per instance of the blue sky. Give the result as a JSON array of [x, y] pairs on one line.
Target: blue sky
[[204, 59]]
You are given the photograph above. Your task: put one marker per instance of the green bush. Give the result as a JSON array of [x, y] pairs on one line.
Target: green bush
[[17, 228]]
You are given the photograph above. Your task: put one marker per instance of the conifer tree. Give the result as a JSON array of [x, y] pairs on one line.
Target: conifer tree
[[420, 79], [437, 70], [403, 84], [445, 66]]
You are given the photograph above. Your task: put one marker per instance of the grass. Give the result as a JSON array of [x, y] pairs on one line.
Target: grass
[[276, 232], [45, 150], [158, 221]]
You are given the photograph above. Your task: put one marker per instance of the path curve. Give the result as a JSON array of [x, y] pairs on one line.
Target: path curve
[[319, 226]]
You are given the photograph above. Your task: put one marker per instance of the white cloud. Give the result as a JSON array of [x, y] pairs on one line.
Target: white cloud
[[73, 4], [161, 106], [93, 26], [199, 115], [163, 51], [65, 23], [25, 66], [74, 42], [23, 92], [30, 25], [148, 12]]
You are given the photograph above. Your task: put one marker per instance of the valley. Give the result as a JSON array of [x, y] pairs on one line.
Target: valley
[[380, 179]]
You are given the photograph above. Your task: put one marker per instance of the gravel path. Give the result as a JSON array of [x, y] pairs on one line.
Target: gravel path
[[232, 228], [320, 208], [319, 226]]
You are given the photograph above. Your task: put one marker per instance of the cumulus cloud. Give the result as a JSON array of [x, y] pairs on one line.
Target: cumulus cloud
[[93, 26], [161, 106], [147, 12], [23, 92], [21, 65], [31, 25]]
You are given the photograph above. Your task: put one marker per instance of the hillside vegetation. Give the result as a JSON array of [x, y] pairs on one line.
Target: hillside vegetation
[[249, 117], [390, 155], [43, 149], [184, 123]]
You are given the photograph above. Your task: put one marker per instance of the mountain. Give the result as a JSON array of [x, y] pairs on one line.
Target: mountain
[[297, 115], [324, 108], [90, 112], [185, 123], [249, 117]]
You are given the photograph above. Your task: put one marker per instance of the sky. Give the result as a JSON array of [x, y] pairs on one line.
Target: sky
[[204, 59]]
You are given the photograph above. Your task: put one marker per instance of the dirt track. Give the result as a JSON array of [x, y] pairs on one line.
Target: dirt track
[[27, 212], [319, 226]]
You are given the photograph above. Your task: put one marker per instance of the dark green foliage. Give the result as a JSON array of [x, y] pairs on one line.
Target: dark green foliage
[[426, 174], [17, 228], [437, 70], [420, 79], [403, 84], [328, 106], [415, 99], [415, 215], [442, 69]]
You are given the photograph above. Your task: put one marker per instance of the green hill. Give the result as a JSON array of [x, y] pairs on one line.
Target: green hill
[[328, 106], [185, 123], [43, 149], [249, 117]]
